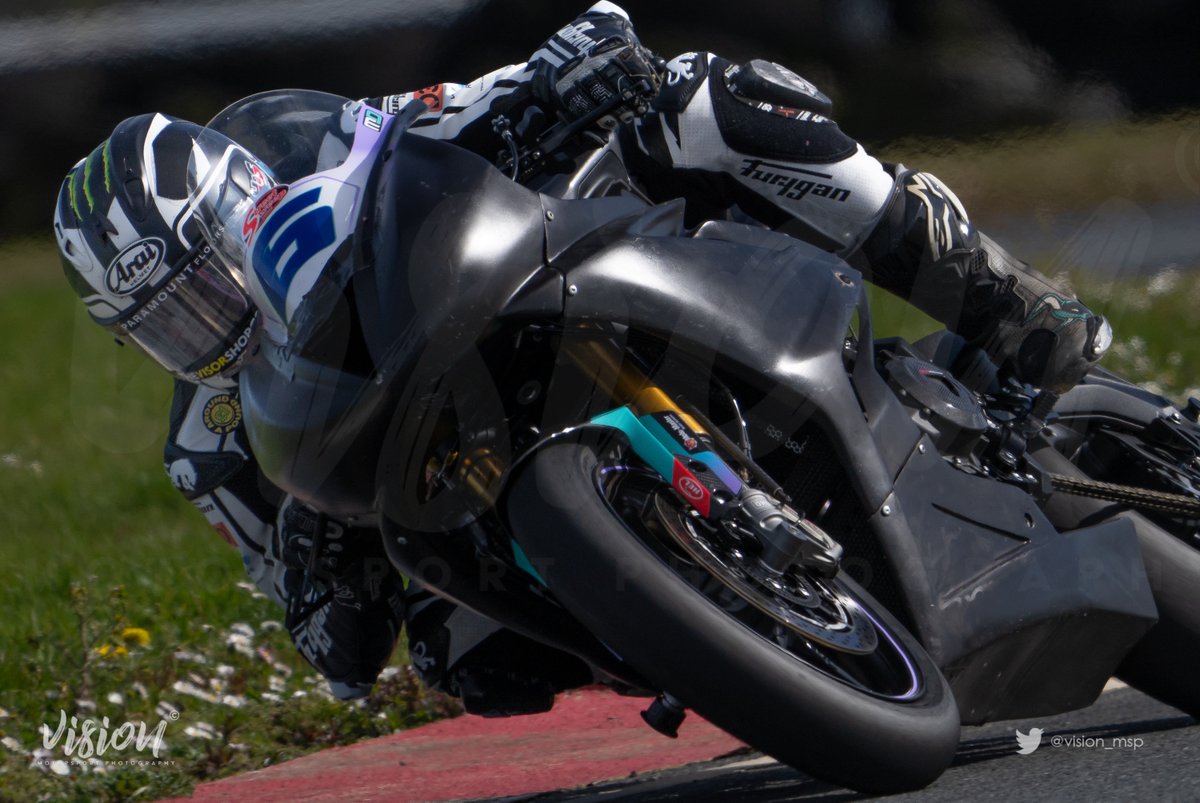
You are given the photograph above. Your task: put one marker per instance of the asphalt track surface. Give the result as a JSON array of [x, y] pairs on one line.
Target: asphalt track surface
[[594, 747], [1080, 757]]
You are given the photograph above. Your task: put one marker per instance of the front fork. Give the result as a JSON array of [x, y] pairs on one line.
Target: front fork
[[678, 448]]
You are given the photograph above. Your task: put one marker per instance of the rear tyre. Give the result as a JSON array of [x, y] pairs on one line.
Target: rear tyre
[[1165, 664], [836, 687]]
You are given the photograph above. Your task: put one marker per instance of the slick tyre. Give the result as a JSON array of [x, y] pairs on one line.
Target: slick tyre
[[732, 672]]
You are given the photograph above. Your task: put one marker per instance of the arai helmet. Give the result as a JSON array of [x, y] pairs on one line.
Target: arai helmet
[[137, 252]]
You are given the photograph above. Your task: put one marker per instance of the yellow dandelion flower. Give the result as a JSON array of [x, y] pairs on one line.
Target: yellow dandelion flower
[[104, 649], [120, 651], [135, 635]]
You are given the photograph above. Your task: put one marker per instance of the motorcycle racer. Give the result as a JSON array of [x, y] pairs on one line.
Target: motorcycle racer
[[759, 139], [151, 276], [752, 141]]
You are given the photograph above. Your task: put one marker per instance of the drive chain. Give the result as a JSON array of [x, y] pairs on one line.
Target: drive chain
[[1174, 504]]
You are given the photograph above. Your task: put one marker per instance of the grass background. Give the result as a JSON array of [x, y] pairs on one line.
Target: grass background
[[81, 480], [94, 540]]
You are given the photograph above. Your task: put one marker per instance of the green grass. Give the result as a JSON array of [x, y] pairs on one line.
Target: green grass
[[94, 540], [82, 496]]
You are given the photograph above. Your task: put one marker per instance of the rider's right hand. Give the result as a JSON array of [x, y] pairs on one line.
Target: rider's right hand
[[592, 61], [342, 552]]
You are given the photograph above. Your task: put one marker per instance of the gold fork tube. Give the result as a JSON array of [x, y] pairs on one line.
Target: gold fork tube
[[622, 380]]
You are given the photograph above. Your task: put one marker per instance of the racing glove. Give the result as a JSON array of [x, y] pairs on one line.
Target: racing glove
[[340, 553], [596, 62]]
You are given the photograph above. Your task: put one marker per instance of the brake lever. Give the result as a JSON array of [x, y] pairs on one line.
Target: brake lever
[[523, 163]]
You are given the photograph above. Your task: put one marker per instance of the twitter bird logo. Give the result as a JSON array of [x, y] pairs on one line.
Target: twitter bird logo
[[1028, 742]]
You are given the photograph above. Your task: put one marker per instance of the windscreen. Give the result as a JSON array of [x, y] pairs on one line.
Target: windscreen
[[292, 131]]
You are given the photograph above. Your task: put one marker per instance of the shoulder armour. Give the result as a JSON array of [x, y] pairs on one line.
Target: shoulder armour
[[772, 130], [768, 82]]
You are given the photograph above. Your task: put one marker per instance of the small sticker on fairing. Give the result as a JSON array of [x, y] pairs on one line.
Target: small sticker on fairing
[[691, 489], [372, 119], [679, 431], [262, 207]]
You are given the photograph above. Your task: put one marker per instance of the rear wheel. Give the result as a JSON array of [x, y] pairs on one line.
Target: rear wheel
[[807, 669], [1166, 663]]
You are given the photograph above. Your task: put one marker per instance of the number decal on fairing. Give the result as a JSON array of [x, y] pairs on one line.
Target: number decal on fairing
[[292, 235]]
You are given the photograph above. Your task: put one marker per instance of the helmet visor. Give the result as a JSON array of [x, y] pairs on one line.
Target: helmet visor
[[198, 321], [225, 179]]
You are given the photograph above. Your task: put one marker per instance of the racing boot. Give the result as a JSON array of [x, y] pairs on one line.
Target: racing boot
[[1032, 330], [350, 634], [345, 602], [925, 249]]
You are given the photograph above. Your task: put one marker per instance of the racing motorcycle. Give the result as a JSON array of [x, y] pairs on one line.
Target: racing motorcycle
[[682, 455]]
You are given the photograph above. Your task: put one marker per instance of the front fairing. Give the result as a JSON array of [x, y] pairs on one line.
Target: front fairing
[[423, 244], [287, 238]]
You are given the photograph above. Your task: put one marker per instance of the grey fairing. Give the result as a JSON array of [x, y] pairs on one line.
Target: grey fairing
[[1104, 396], [778, 308], [450, 251], [345, 417], [1025, 620]]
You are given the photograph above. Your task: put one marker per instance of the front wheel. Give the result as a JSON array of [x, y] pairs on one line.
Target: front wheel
[[809, 670]]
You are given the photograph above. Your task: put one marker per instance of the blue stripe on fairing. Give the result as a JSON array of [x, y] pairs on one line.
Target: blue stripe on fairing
[[524, 563], [654, 445]]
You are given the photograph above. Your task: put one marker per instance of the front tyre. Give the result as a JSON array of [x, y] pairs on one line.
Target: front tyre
[[870, 712]]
